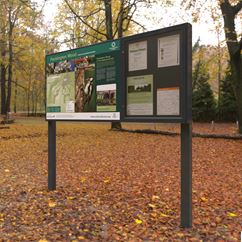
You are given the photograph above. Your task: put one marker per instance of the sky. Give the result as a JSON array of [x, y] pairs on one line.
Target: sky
[[163, 17]]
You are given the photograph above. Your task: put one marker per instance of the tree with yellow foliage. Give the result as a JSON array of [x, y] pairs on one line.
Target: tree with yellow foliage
[[230, 11]]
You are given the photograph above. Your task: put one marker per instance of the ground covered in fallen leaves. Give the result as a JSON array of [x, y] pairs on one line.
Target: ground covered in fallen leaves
[[116, 186]]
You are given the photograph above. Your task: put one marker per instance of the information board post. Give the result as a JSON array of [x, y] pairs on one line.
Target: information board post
[[186, 175], [157, 87], [141, 78], [51, 155]]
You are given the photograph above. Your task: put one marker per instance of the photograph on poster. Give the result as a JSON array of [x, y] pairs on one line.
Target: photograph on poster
[[106, 98], [140, 95], [168, 101], [138, 56], [60, 67], [169, 51], [85, 81]]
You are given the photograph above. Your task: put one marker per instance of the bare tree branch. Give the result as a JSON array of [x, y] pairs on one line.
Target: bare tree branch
[[129, 17], [237, 7], [81, 19], [139, 24], [92, 13]]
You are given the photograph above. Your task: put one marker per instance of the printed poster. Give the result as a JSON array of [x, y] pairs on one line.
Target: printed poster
[[168, 101], [60, 91], [140, 95], [106, 98], [138, 56], [169, 51]]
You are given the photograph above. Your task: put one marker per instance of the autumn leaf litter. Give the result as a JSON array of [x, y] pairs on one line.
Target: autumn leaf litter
[[114, 186]]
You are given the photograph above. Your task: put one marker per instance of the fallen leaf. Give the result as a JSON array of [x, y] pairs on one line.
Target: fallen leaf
[[138, 221], [151, 205], [163, 215], [204, 199], [154, 215], [218, 220], [232, 214], [81, 237], [70, 198], [52, 204], [180, 234], [155, 197]]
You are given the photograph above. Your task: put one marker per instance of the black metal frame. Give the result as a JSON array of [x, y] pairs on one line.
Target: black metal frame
[[184, 69]]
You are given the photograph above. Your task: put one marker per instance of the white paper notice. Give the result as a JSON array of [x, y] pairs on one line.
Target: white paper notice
[[169, 51], [168, 101], [70, 106], [138, 56]]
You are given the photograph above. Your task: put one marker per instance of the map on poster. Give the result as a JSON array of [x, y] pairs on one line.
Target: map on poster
[[60, 92], [81, 84]]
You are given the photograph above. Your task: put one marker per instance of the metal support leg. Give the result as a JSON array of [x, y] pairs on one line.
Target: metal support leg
[[51, 155], [186, 175]]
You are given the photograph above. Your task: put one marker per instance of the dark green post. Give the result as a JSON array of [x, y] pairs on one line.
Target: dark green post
[[186, 175], [51, 155]]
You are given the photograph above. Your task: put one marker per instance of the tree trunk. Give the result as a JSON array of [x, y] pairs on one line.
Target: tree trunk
[[28, 102], [108, 19], [3, 90], [36, 106], [234, 46], [116, 125], [240, 109], [3, 70], [219, 73], [15, 96], [109, 33], [236, 69], [120, 19], [10, 64], [33, 98]]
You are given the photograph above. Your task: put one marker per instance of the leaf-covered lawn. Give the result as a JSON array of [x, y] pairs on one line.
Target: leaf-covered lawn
[[115, 186]]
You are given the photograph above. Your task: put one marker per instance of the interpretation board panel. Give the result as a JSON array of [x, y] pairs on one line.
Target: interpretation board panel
[[156, 74], [84, 83]]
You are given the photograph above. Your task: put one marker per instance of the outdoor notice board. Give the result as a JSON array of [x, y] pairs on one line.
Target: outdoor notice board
[[157, 76], [83, 83], [140, 78]]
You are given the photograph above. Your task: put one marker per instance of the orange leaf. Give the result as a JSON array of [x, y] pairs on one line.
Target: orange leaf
[[52, 204]]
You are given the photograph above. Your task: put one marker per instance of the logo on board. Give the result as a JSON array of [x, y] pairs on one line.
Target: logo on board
[[114, 46]]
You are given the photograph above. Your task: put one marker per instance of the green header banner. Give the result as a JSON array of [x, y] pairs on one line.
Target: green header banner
[[96, 49]]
